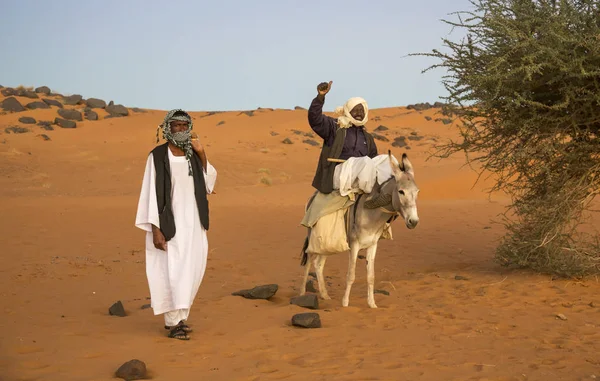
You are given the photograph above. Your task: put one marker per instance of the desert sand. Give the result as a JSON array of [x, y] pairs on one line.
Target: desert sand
[[70, 250]]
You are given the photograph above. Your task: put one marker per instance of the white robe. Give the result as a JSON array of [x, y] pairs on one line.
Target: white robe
[[174, 276], [361, 173]]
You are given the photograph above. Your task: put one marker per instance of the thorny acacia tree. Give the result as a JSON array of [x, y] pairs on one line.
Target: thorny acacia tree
[[525, 85]]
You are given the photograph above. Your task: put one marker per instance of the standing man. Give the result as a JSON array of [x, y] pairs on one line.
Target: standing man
[[343, 138], [173, 210]]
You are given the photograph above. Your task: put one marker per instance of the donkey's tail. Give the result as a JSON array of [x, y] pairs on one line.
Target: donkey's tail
[[304, 253]]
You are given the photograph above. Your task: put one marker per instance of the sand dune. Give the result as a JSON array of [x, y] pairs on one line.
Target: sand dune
[[71, 250]]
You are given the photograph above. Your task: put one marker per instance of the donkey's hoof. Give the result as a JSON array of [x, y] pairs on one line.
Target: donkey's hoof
[[345, 302], [372, 305], [326, 297]]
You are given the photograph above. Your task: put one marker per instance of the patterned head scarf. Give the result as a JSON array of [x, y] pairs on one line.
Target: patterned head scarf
[[181, 139]]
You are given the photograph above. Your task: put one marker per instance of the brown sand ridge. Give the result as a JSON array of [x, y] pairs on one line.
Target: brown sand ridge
[[70, 250]]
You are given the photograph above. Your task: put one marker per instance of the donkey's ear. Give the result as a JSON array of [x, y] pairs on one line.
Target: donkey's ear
[[396, 168], [406, 165]]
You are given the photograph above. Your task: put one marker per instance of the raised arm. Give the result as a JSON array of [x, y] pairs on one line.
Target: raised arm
[[321, 124]]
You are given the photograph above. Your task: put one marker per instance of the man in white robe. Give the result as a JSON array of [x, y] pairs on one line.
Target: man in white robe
[[175, 266]]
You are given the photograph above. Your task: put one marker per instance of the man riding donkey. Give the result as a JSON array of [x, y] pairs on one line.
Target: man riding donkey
[[349, 168]]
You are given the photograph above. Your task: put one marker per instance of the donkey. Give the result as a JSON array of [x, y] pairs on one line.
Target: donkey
[[367, 220]]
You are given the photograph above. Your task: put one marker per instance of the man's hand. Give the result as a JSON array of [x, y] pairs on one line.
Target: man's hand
[[324, 87], [159, 239], [196, 146]]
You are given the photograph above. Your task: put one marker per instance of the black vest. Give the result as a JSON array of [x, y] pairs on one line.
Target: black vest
[[163, 190]]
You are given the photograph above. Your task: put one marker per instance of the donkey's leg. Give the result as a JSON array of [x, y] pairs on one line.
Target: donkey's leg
[[306, 271], [319, 265], [350, 275], [371, 251]]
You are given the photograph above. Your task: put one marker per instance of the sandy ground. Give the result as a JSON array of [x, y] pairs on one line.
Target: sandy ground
[[70, 250]]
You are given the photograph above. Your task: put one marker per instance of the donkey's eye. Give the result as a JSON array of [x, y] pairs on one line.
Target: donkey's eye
[[401, 192]]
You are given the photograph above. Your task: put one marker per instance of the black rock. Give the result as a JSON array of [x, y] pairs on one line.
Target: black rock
[[287, 141], [70, 114], [307, 301], [428, 118], [43, 90], [399, 142], [11, 104], [310, 286], [45, 137], [36, 105], [146, 306], [132, 370], [27, 120], [65, 123], [136, 109], [299, 108], [73, 100], [273, 133], [52, 102], [117, 110], [311, 142], [307, 320], [27, 93], [16, 130], [381, 128], [117, 309], [91, 115], [384, 292], [258, 292], [221, 123], [8, 92], [95, 103]]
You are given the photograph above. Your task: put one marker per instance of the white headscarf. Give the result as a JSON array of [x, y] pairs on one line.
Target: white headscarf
[[346, 120]]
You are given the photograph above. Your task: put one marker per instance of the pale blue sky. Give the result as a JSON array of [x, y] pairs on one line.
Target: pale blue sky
[[225, 54]]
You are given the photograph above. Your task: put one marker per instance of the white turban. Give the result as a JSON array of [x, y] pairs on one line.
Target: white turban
[[345, 120]]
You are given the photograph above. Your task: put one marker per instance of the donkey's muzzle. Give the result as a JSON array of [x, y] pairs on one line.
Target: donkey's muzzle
[[412, 223]]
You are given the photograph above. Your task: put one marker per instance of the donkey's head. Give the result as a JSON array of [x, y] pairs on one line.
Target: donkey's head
[[405, 191]]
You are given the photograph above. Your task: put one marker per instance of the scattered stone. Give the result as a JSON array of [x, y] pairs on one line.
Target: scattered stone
[[311, 142], [444, 121], [460, 277], [419, 106], [117, 110], [592, 304], [487, 227], [27, 120], [73, 100], [273, 133], [384, 292], [146, 306], [561, 316], [139, 110], [95, 103], [307, 320], [16, 130], [132, 370], [258, 292], [36, 105], [400, 142], [299, 108], [380, 137], [306, 301], [287, 141], [44, 136], [310, 286], [249, 113], [428, 118], [70, 114], [8, 92], [221, 123], [91, 115], [43, 90], [65, 123], [297, 132], [415, 138], [52, 102], [111, 103], [11, 104], [117, 309], [27, 94], [44, 123], [381, 128], [309, 134]]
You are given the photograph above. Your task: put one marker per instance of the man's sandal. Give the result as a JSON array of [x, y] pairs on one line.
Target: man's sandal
[[183, 326], [177, 332]]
